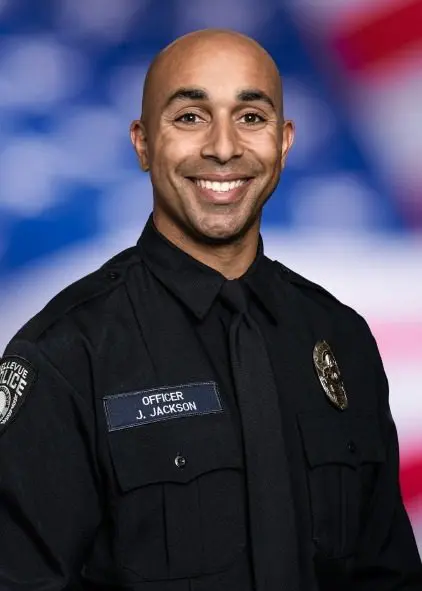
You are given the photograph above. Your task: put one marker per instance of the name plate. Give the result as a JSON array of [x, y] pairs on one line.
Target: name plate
[[133, 409]]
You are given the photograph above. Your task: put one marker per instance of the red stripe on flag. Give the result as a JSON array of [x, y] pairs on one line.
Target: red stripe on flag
[[411, 479], [399, 341], [372, 41]]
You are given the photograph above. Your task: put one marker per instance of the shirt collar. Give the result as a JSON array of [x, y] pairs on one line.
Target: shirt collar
[[196, 284]]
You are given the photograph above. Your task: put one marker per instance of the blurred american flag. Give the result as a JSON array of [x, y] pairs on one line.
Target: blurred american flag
[[374, 50]]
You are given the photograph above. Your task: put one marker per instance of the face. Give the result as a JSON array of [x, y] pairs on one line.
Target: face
[[214, 141]]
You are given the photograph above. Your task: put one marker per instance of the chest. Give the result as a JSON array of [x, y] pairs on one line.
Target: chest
[[177, 479]]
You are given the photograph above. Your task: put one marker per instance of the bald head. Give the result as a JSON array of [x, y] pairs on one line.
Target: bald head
[[178, 56]]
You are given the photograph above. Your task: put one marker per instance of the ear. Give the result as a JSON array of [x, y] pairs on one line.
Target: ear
[[288, 139], [138, 137]]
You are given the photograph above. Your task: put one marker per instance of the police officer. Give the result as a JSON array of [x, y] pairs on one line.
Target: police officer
[[193, 416]]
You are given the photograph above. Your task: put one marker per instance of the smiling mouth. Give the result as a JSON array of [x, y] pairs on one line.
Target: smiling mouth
[[221, 192], [219, 186]]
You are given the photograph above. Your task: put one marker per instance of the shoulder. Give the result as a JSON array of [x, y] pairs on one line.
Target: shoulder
[[57, 345], [309, 288], [321, 300], [87, 292]]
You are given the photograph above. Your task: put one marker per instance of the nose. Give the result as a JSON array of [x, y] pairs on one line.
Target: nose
[[222, 142]]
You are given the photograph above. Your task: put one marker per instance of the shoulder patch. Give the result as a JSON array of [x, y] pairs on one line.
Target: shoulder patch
[[17, 376]]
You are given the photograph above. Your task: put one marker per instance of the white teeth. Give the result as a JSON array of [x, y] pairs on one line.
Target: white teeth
[[219, 187]]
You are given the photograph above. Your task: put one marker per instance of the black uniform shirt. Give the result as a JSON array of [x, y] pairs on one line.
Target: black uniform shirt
[[121, 462]]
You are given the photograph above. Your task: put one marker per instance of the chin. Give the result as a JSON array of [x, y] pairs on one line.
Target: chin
[[221, 233]]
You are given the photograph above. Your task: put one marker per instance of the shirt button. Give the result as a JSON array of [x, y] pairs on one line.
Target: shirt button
[[351, 446], [180, 461], [113, 275]]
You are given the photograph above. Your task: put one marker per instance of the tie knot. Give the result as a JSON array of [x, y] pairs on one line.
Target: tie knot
[[233, 294]]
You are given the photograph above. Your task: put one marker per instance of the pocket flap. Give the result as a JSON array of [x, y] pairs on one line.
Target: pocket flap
[[341, 438], [174, 451]]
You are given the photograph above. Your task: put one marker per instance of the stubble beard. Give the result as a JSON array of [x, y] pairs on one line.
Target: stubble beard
[[219, 233]]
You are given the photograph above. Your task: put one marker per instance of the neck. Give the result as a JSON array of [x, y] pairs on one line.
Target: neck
[[231, 260]]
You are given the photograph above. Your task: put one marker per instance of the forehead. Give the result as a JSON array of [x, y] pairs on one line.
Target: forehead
[[221, 71]]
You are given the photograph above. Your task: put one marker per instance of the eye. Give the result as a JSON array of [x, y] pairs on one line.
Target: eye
[[252, 118], [189, 118]]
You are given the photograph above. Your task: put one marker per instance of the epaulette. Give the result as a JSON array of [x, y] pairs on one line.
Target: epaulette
[[106, 278], [301, 281]]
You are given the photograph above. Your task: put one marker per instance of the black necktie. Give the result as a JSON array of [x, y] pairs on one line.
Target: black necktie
[[272, 524]]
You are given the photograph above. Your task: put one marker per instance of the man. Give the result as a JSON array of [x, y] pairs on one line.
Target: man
[[194, 416]]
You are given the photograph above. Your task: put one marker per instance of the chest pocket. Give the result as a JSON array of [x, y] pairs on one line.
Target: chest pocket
[[343, 452], [181, 507]]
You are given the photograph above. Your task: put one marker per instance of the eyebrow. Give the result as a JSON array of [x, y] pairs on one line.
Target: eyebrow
[[251, 95], [248, 95], [187, 94]]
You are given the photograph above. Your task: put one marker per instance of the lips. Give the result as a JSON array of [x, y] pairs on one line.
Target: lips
[[219, 186], [223, 191]]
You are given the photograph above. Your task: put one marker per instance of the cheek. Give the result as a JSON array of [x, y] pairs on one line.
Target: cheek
[[169, 164], [162, 165], [177, 144], [266, 148]]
